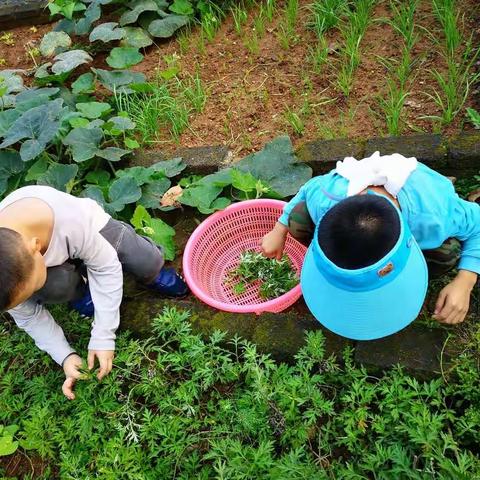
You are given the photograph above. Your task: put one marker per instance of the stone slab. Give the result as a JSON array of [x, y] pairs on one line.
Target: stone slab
[[417, 348], [199, 160], [14, 13], [322, 155], [280, 335], [464, 153], [428, 149]]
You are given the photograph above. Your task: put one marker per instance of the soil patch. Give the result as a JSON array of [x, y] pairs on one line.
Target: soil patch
[[249, 93]]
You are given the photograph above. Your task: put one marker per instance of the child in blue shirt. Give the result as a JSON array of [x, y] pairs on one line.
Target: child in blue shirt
[[369, 225]]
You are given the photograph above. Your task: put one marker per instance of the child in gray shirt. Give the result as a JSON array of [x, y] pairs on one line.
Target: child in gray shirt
[[56, 248]]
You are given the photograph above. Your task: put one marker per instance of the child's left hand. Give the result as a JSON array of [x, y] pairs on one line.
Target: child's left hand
[[454, 300], [105, 360]]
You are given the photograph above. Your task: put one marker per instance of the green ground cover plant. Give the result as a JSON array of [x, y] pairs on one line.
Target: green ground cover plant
[[180, 406]]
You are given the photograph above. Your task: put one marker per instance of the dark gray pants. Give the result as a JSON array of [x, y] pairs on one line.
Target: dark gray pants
[[138, 256]]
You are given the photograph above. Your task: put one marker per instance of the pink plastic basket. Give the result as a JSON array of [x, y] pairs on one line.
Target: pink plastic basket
[[215, 247]]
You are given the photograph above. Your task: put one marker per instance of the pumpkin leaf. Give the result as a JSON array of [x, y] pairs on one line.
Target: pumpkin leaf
[[137, 7], [93, 110], [53, 42], [112, 154], [124, 57], [276, 165], [160, 232], [136, 37], [170, 168], [182, 7], [152, 193], [118, 125], [83, 84], [166, 27], [37, 169], [98, 177], [10, 164], [119, 80], [38, 126], [83, 142], [107, 32], [68, 61], [122, 192], [91, 15], [59, 176]]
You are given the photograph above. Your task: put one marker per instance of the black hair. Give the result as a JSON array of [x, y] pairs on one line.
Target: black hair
[[16, 264], [359, 231]]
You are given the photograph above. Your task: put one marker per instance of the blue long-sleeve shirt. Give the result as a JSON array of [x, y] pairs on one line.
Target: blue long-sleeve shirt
[[429, 204]]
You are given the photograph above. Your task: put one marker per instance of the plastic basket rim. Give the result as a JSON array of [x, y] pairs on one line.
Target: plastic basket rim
[[270, 305]]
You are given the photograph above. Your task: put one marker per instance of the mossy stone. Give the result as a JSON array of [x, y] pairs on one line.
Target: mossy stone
[[322, 155], [426, 148], [464, 153], [417, 348]]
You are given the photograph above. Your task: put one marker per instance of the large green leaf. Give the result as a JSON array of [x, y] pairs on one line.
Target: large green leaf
[[33, 97], [200, 196], [112, 154], [11, 81], [160, 232], [122, 192], [7, 118], [83, 142], [37, 169], [98, 177], [136, 37], [85, 83], [277, 166], [124, 57], [53, 42], [170, 168], [119, 80], [137, 7], [163, 235], [38, 125], [59, 176], [166, 27], [92, 14], [107, 32], [68, 61], [182, 7], [93, 110], [7, 445], [153, 192], [118, 125], [10, 164], [141, 175]]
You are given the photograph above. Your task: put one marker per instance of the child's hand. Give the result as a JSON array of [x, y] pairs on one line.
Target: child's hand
[[71, 367], [273, 242], [454, 300], [105, 360]]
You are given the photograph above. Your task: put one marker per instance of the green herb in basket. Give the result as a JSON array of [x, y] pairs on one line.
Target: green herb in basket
[[276, 277]]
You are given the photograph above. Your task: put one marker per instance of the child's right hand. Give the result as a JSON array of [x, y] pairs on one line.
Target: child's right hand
[[71, 367], [273, 242]]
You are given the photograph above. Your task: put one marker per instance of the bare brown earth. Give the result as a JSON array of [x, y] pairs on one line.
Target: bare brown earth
[[249, 93]]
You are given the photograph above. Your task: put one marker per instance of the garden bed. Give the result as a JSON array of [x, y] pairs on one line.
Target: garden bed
[[257, 89]]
